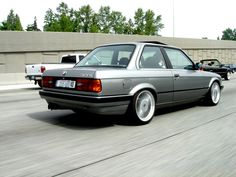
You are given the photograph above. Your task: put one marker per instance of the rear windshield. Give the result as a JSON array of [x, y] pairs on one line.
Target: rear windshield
[[68, 59], [112, 55]]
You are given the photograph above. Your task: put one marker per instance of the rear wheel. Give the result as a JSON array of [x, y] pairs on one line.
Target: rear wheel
[[227, 76], [214, 94], [143, 107]]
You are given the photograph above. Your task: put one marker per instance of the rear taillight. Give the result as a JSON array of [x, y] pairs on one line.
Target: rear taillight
[[42, 69], [47, 82], [89, 85]]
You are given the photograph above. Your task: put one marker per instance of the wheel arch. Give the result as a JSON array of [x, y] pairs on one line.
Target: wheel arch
[[144, 86], [214, 79]]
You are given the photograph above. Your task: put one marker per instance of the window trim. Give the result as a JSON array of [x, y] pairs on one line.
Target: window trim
[[163, 54], [177, 49]]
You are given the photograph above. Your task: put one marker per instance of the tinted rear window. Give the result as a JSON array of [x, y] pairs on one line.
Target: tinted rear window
[[68, 59]]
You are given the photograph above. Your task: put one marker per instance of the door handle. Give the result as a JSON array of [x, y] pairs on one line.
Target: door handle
[[176, 75]]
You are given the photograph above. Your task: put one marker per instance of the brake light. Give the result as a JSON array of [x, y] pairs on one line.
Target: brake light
[[47, 82], [42, 69], [89, 85]]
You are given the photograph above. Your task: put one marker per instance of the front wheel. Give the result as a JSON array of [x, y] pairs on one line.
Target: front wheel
[[143, 107], [214, 94]]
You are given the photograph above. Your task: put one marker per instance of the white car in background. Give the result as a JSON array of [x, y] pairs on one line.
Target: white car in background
[[35, 71]]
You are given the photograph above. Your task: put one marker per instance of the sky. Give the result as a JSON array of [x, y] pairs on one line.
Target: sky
[[181, 18]]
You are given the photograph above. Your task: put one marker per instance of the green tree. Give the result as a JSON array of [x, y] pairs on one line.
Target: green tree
[[3, 26], [150, 23], [12, 23], [117, 22], [77, 22], [62, 20], [50, 21], [33, 27], [104, 19], [159, 25], [18, 26], [139, 26], [128, 29], [87, 18], [64, 17], [94, 28], [146, 23], [229, 34]]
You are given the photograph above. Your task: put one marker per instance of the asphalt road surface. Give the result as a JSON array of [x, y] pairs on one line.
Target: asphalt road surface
[[190, 141]]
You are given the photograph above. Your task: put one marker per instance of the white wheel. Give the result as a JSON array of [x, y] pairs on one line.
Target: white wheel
[[214, 94], [227, 77], [143, 107]]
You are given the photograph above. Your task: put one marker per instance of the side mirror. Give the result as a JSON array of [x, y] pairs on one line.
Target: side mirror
[[198, 66]]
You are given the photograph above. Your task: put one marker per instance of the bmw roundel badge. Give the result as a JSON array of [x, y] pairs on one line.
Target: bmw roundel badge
[[64, 73]]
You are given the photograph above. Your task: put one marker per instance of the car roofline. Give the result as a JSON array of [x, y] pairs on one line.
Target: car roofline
[[155, 43]]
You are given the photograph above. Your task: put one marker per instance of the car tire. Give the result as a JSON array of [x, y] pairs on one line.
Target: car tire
[[40, 83], [214, 94], [143, 107], [227, 76]]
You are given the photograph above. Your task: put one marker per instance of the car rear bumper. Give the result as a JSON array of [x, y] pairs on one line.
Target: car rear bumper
[[33, 77], [98, 105]]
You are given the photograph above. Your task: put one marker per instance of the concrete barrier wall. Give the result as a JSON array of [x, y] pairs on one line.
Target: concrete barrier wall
[[20, 48]]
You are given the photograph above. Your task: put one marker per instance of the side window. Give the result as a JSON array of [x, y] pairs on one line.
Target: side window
[[152, 58], [178, 59]]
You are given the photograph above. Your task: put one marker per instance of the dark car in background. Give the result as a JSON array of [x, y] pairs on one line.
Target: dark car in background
[[232, 67], [214, 65]]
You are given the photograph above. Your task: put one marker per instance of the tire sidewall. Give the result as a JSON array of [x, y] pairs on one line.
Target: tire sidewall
[[210, 99], [227, 76], [133, 110]]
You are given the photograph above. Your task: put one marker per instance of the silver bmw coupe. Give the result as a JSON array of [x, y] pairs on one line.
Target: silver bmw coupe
[[133, 78]]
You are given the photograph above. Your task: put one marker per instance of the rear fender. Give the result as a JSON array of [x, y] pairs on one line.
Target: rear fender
[[144, 86]]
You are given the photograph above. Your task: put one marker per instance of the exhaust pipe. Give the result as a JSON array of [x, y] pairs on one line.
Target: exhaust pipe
[[53, 106]]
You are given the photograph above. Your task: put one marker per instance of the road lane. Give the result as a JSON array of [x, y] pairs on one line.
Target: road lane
[[38, 142], [207, 150]]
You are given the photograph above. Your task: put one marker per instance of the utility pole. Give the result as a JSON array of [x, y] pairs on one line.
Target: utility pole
[[173, 18]]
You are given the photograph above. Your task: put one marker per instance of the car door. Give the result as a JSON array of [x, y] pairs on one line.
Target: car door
[[188, 82], [153, 67]]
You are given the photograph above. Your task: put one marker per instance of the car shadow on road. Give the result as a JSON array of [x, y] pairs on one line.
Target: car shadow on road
[[34, 88], [85, 121], [71, 120], [172, 109]]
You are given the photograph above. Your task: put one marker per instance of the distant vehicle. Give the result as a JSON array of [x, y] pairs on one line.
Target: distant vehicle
[[231, 66], [130, 78], [35, 71], [214, 65]]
